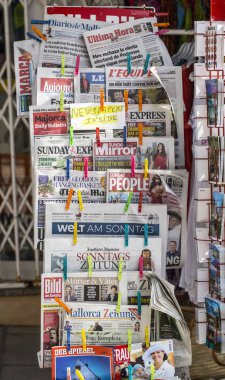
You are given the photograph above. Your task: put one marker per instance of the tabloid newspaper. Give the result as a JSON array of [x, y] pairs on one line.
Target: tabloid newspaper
[[93, 362], [105, 254], [110, 45], [50, 83], [104, 325], [52, 185], [112, 154], [25, 60], [87, 85]]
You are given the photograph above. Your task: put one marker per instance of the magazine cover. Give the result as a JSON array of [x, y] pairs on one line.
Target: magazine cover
[[105, 325], [87, 85], [50, 333], [94, 363], [121, 362], [215, 311], [105, 254]]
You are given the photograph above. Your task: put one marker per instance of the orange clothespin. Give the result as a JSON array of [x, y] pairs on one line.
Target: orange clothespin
[[69, 199], [140, 100], [126, 100], [101, 100], [63, 305], [38, 32], [162, 24], [140, 133]]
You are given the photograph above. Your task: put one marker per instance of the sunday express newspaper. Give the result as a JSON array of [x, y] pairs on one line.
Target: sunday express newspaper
[[110, 46], [103, 325]]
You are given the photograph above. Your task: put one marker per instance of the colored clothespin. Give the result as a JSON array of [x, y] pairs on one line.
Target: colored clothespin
[[79, 375], [69, 199], [162, 24], [128, 63], [140, 201], [147, 60], [147, 343], [77, 66], [126, 235], [68, 340], [129, 340], [75, 233], [146, 235], [120, 269], [128, 202], [65, 267], [68, 373], [67, 169], [71, 135], [130, 371], [63, 65], [61, 101], [85, 167], [118, 303], [141, 267], [139, 302], [140, 133], [124, 135], [89, 259], [126, 100], [140, 101], [39, 33], [98, 137], [101, 100], [132, 166], [84, 341], [39, 22], [33, 37], [146, 169], [162, 31], [79, 195], [63, 305], [152, 372]]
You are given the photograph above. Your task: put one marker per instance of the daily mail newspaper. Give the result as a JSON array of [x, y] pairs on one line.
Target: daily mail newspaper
[[110, 46], [104, 325], [87, 85], [52, 185], [25, 59], [112, 154]]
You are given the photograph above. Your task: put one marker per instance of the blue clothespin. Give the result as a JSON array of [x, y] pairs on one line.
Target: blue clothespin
[[146, 235], [130, 370], [139, 302], [40, 22], [128, 63], [126, 234], [124, 135], [65, 267], [68, 328], [67, 169], [33, 37], [147, 60]]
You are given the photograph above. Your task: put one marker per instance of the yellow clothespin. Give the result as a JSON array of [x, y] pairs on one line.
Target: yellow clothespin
[[61, 101], [63, 65], [152, 372], [84, 341], [89, 258], [41, 35], [75, 233], [120, 269], [146, 169], [79, 195], [147, 342], [118, 303], [129, 340], [101, 99], [69, 199], [79, 374]]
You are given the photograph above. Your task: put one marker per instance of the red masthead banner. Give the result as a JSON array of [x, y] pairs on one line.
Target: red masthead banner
[[217, 10]]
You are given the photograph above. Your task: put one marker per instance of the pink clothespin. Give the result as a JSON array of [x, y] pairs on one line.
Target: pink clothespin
[[132, 166], [85, 167], [77, 67], [141, 267], [162, 31], [98, 137]]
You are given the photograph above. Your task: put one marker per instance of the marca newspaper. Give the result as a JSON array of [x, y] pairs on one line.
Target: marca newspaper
[[87, 85], [53, 185], [104, 325], [25, 60], [105, 254], [110, 46]]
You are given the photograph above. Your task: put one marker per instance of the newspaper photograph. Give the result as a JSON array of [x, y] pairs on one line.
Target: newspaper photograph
[[104, 325], [52, 185], [25, 60], [87, 85], [50, 333], [50, 83], [109, 46], [112, 154], [78, 287], [105, 254]]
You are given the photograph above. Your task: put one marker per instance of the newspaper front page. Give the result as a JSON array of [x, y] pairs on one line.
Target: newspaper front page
[[87, 85], [109, 46], [51, 319], [104, 325]]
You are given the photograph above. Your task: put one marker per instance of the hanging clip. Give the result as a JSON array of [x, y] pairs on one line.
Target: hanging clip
[[98, 137], [162, 31], [63, 305], [68, 328], [61, 101], [126, 235], [128, 202], [71, 135], [38, 32], [101, 99], [40, 22], [63, 65], [128, 63], [152, 372], [79, 195], [147, 60], [146, 235], [69, 199], [120, 269], [140, 100], [86, 167], [139, 302], [133, 166], [129, 340], [75, 233], [77, 66], [140, 133], [130, 371], [84, 341], [65, 267], [147, 343], [161, 24], [68, 373], [146, 169], [126, 100], [30, 35], [89, 259], [141, 267], [118, 303], [124, 135], [140, 201], [67, 169], [78, 373]]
